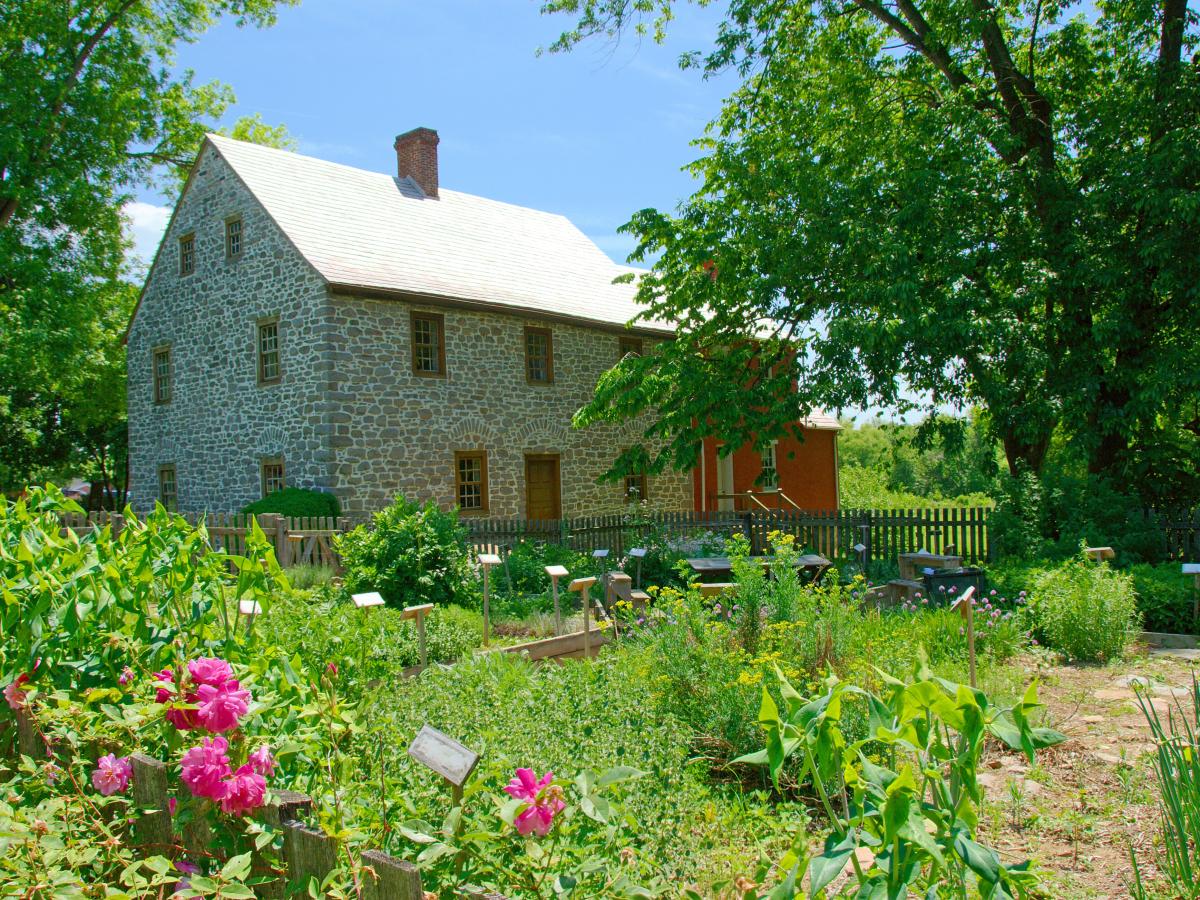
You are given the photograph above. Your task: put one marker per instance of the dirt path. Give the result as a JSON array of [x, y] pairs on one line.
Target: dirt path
[[1081, 807]]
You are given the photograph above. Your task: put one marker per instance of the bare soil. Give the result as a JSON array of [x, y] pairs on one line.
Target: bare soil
[[1085, 804]]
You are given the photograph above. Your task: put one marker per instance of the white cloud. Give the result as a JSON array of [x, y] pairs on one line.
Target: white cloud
[[144, 224]]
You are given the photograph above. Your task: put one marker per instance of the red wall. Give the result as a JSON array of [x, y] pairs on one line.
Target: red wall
[[807, 473]]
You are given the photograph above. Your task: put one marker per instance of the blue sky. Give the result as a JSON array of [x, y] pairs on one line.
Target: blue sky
[[595, 134]]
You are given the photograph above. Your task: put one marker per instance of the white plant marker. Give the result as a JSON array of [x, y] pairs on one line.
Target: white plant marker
[[555, 573], [638, 553], [365, 601], [1194, 569], [487, 560]]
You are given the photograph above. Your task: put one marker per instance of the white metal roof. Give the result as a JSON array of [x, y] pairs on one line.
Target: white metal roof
[[379, 232], [374, 231]]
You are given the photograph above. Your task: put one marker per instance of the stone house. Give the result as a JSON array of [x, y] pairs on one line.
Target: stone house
[[309, 324]]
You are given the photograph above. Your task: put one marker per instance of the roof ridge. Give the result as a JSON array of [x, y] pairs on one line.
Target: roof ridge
[[219, 139]]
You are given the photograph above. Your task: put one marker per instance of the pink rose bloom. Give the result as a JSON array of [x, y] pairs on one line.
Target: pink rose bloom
[[183, 719], [244, 791], [15, 693], [112, 775], [205, 768], [544, 799], [187, 868], [210, 671], [262, 761], [125, 677], [222, 707]]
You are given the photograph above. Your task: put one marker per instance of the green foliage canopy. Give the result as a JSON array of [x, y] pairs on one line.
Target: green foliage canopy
[[991, 202], [89, 110]]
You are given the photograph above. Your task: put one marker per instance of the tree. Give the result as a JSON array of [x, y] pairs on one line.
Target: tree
[[89, 110], [989, 201]]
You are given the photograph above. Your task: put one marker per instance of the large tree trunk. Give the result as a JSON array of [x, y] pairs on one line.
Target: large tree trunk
[[1023, 454]]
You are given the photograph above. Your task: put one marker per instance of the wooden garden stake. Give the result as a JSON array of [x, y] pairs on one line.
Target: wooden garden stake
[[966, 605], [152, 827], [364, 602], [555, 573], [487, 560], [450, 759], [638, 553], [419, 613], [385, 878], [582, 585]]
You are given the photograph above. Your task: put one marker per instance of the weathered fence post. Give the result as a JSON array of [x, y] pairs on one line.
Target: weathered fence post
[[152, 828], [29, 742], [385, 878]]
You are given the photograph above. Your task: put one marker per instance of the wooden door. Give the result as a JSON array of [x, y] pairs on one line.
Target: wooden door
[[542, 496], [725, 482]]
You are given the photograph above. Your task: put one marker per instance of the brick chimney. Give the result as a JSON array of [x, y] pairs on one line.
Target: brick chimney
[[416, 158]]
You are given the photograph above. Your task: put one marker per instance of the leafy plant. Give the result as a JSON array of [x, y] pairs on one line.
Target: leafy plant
[[410, 554], [1177, 765], [297, 503], [1086, 610], [907, 791], [1165, 597]]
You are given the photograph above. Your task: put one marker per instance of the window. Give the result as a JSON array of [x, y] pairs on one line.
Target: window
[[187, 254], [470, 481], [539, 356], [162, 374], [428, 344], [769, 478], [168, 495], [627, 345], [268, 351], [635, 488], [272, 476], [233, 237]]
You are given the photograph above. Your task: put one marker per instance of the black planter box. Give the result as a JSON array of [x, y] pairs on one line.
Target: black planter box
[[938, 584]]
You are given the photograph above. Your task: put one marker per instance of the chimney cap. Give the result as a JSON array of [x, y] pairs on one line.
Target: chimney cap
[[416, 134]]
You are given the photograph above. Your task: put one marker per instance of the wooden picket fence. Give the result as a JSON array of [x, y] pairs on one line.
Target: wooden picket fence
[[308, 852], [882, 533], [297, 540]]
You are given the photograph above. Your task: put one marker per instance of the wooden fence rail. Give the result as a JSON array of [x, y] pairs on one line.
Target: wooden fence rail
[[882, 533], [297, 540]]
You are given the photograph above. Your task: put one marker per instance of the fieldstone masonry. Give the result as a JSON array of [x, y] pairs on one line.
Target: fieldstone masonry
[[348, 415]]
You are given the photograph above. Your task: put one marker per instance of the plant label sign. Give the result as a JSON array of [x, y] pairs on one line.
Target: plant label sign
[[557, 571], [1191, 568], [365, 601], [489, 559], [443, 754]]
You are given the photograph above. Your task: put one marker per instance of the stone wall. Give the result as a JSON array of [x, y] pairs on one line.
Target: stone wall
[[348, 414], [220, 422], [397, 432]]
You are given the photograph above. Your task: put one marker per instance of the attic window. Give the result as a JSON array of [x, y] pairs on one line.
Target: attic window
[[233, 237], [187, 254]]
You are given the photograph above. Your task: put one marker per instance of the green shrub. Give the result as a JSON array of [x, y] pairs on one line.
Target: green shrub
[[1164, 596], [1086, 610], [296, 503], [411, 554], [322, 627], [524, 570]]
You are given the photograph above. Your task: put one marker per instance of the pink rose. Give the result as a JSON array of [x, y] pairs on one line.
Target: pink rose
[[112, 774], [262, 761], [221, 708], [15, 693], [544, 799], [244, 791], [211, 671], [125, 677], [205, 768]]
